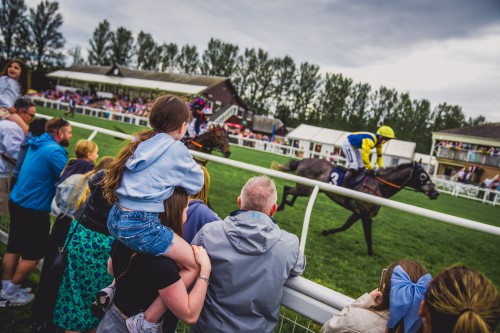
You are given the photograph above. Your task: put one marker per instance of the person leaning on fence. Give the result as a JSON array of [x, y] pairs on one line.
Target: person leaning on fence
[[393, 307], [460, 300], [251, 257], [364, 141], [29, 208]]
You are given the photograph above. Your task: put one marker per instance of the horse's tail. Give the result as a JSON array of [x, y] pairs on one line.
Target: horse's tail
[[290, 166]]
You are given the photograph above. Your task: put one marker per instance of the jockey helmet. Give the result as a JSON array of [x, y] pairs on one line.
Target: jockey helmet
[[386, 132], [198, 104]]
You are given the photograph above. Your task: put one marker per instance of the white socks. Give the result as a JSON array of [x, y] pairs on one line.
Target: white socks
[[11, 289]]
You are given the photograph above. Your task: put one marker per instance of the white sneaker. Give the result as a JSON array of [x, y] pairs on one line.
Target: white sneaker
[[18, 299], [137, 324]]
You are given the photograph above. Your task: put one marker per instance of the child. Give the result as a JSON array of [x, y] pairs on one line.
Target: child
[[143, 175], [14, 82]]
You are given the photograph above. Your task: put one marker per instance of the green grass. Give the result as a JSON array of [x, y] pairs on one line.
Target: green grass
[[340, 261]]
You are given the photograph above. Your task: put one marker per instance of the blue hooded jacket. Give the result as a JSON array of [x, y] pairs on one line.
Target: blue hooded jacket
[[157, 166], [41, 169]]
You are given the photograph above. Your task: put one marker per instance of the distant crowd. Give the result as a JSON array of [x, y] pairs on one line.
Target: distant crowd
[[491, 151]]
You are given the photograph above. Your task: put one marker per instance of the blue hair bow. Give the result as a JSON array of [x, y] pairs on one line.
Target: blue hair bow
[[405, 299]]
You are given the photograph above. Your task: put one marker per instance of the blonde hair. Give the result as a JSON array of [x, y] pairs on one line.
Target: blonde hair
[[103, 164], [84, 147], [203, 194], [462, 300]]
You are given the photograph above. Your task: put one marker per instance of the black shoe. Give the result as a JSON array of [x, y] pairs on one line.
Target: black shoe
[[103, 301]]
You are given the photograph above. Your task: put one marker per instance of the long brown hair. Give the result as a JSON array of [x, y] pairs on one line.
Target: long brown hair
[[167, 115], [203, 194], [24, 78], [174, 206], [462, 300], [415, 271]]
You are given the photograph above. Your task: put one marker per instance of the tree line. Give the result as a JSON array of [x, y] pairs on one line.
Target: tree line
[[278, 86]]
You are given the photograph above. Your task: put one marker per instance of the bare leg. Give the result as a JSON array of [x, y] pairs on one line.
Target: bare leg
[[10, 262], [24, 268], [155, 311]]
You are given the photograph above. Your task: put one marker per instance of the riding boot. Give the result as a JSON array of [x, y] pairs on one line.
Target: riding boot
[[348, 176]]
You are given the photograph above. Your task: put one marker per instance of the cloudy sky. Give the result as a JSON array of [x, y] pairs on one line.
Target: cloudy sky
[[441, 50]]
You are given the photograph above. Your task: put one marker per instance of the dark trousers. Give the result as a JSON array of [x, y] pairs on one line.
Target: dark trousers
[[46, 296]]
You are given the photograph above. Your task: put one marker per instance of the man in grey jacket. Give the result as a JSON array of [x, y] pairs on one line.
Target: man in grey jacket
[[251, 260]]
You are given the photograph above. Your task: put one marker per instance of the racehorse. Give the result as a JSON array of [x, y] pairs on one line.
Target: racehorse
[[386, 183], [214, 139]]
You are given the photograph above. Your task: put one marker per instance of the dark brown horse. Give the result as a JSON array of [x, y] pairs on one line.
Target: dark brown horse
[[214, 139], [386, 183]]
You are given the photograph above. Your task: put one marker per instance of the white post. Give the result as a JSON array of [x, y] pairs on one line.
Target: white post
[[307, 218], [92, 136]]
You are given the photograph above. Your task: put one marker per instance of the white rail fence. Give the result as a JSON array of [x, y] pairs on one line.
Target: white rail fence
[[473, 192], [303, 296]]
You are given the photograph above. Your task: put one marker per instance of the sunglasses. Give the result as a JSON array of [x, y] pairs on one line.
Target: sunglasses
[[62, 122], [29, 114]]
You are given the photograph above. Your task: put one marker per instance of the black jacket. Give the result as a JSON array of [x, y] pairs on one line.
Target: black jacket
[[93, 214]]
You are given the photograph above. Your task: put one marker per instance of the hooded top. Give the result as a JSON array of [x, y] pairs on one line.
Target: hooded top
[[10, 91], [75, 166], [157, 166], [11, 137], [41, 169], [251, 260]]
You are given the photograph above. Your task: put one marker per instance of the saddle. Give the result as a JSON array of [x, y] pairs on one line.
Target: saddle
[[337, 177]]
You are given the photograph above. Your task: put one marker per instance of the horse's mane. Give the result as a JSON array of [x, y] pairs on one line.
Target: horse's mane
[[385, 171]]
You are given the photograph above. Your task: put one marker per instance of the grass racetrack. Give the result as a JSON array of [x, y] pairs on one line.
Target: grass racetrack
[[339, 261]]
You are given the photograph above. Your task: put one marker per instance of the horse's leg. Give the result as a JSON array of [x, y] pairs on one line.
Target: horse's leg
[[286, 190], [350, 221], [367, 228]]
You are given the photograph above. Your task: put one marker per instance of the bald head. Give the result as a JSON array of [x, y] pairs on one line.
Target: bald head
[[259, 194]]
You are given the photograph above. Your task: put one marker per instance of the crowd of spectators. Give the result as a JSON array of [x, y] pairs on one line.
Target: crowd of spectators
[[138, 106], [491, 151]]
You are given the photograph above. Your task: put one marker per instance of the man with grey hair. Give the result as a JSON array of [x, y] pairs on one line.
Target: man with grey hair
[[251, 260]]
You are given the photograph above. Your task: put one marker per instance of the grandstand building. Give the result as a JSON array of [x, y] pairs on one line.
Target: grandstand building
[[106, 81], [465, 147]]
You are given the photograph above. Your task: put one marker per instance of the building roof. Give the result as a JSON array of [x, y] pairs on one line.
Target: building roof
[[265, 125], [487, 134], [490, 131], [119, 75], [404, 149]]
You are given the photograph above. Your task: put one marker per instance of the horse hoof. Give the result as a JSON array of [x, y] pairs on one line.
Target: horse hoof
[[280, 208], [325, 232]]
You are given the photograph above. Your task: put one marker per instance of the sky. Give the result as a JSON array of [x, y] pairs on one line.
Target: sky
[[439, 50]]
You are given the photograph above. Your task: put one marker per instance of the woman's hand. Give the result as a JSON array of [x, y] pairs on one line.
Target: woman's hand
[[376, 296], [202, 259]]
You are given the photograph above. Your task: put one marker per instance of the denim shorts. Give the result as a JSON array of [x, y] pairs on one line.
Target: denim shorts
[[140, 231]]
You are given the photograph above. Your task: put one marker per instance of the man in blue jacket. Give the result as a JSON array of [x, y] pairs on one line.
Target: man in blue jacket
[[29, 208], [251, 258]]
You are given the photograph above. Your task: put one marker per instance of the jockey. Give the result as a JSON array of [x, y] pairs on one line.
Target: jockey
[[197, 108], [207, 112], [364, 141]]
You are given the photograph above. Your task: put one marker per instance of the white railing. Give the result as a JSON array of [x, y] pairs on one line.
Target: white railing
[[93, 112], [306, 297], [473, 192], [472, 156], [281, 149], [232, 111]]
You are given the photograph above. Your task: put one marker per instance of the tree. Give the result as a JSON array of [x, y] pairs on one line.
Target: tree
[[48, 41], [188, 59], [284, 79], [148, 53], [76, 55], [357, 106], [219, 58], [169, 53], [100, 45], [246, 66], [260, 81], [479, 120], [12, 24], [122, 46], [447, 116], [333, 101], [305, 91]]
